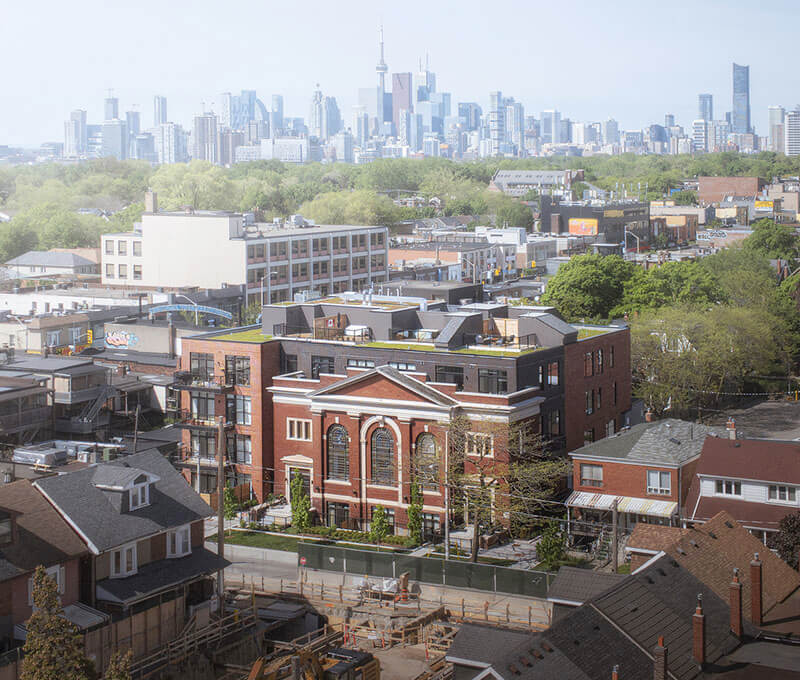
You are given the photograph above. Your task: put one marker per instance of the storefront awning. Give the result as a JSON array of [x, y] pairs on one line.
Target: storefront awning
[[636, 506]]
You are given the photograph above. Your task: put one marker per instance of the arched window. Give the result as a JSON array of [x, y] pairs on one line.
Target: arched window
[[426, 462], [338, 453], [382, 457]]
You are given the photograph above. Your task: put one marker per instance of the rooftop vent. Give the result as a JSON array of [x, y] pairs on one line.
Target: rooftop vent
[[712, 534], [728, 524]]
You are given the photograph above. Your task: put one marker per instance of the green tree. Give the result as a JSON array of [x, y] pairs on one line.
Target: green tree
[[787, 540], [230, 503], [550, 549], [414, 513], [379, 525], [773, 241], [301, 504], [53, 646], [684, 197], [119, 667], [588, 286], [16, 238]]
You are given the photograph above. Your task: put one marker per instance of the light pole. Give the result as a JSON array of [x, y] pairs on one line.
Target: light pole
[[181, 295]]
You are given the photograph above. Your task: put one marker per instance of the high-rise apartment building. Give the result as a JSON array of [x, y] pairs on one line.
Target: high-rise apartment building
[[515, 126], [777, 115], [402, 99], [705, 107], [316, 113], [276, 115], [610, 132], [170, 143], [551, 127], [159, 110], [497, 122], [470, 112], [740, 113], [111, 108], [204, 138], [115, 139], [227, 143], [75, 137], [792, 133], [700, 135]]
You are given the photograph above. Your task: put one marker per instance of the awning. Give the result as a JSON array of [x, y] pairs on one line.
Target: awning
[[636, 506], [83, 616]]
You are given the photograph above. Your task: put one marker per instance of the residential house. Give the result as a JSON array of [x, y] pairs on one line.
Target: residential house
[[26, 409], [143, 526], [755, 481], [646, 470], [43, 263]]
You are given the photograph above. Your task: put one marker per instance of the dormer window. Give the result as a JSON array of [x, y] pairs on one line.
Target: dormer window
[[179, 542], [139, 495]]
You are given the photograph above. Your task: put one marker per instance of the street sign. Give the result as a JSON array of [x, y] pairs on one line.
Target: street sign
[[302, 561], [89, 336]]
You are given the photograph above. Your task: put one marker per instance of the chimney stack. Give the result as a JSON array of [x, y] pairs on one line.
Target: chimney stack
[[755, 591], [731, 428], [660, 660], [699, 632], [615, 673], [736, 604], [648, 416], [150, 201]]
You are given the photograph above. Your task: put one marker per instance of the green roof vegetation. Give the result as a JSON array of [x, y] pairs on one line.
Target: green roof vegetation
[[249, 335], [584, 333], [421, 347]]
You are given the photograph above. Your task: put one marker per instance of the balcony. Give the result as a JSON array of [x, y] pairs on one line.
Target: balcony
[[79, 396], [341, 334], [184, 380], [193, 421], [30, 418]]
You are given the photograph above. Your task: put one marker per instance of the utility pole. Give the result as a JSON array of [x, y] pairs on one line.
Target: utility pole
[[136, 426], [221, 509], [446, 496], [615, 537]]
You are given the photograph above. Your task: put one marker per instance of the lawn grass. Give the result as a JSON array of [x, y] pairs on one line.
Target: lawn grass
[[250, 335], [584, 333]]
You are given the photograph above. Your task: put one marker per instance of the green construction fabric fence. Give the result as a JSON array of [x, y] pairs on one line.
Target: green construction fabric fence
[[454, 573]]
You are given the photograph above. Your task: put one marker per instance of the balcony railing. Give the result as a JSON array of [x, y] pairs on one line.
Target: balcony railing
[[184, 380], [194, 421], [341, 334]]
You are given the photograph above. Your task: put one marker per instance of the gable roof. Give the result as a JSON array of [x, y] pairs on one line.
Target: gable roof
[[665, 442], [117, 478], [711, 551], [49, 258], [43, 537], [574, 585], [761, 459], [90, 511], [390, 373]]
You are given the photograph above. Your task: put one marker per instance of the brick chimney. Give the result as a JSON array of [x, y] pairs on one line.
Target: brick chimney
[[736, 604], [615, 673], [755, 591], [660, 660], [730, 426], [699, 632]]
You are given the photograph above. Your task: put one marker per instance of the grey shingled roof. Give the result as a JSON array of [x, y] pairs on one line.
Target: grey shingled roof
[[115, 477], [668, 442], [579, 585], [48, 258], [173, 503]]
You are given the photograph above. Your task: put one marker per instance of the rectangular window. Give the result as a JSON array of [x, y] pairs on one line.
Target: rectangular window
[[598, 404], [338, 514], [201, 366], [109, 271], [728, 487], [109, 247], [137, 272], [785, 494], [122, 248], [615, 393], [53, 338], [122, 271], [298, 429], [203, 406], [552, 423], [139, 496], [360, 363], [659, 482], [453, 375], [204, 445], [240, 449], [388, 513], [611, 356], [321, 365], [179, 543], [492, 381], [591, 475], [237, 370], [599, 361], [137, 248], [239, 409], [588, 365], [403, 366], [479, 444], [123, 561], [589, 399], [288, 363], [553, 373]]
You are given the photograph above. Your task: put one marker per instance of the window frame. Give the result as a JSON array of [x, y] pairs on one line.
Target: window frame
[[593, 481], [658, 489], [173, 535], [721, 487], [382, 469], [337, 453], [789, 491], [471, 444], [299, 429], [141, 492], [123, 571]]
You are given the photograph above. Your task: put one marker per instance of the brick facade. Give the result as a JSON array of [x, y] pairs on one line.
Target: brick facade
[[624, 479]]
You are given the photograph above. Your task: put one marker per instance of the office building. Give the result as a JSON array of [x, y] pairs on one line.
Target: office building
[[402, 99], [700, 135], [740, 112], [111, 108], [331, 118], [426, 82], [276, 115], [610, 132], [227, 143], [210, 249], [470, 112], [286, 149], [705, 109], [777, 115], [551, 127], [515, 126], [360, 125], [792, 133], [343, 144], [170, 142], [204, 138], [115, 140], [316, 113], [133, 122], [669, 120], [159, 110], [75, 136]]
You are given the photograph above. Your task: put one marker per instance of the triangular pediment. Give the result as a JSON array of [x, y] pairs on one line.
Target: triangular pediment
[[387, 384]]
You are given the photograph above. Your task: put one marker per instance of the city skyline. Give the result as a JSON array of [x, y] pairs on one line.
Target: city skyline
[[132, 71]]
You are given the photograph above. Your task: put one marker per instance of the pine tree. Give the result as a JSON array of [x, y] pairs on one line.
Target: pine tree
[[54, 646], [119, 668]]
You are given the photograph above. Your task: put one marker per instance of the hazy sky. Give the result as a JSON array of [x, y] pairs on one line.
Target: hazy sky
[[633, 60]]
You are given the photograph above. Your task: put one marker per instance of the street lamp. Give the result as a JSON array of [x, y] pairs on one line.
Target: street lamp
[[181, 295]]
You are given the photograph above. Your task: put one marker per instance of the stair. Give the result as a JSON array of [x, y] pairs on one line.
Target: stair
[[92, 408]]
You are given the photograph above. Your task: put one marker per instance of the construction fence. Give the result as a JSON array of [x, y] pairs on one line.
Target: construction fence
[[452, 573]]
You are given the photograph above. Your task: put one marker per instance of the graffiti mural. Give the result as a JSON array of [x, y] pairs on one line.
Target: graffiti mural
[[120, 339]]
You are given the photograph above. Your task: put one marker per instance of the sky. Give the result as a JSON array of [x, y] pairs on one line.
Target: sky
[[591, 59]]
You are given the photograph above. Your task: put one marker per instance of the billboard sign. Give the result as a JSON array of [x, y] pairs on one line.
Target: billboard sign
[[583, 226], [765, 205]]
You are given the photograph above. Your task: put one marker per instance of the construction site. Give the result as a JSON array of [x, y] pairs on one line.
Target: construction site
[[373, 629]]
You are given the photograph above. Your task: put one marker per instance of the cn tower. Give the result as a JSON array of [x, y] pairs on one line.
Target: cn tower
[[381, 69]]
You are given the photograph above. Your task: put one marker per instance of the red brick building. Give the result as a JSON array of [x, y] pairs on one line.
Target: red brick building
[[714, 189]]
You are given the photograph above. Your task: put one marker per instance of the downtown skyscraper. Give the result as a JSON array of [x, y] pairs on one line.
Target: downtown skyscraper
[[705, 107], [740, 111]]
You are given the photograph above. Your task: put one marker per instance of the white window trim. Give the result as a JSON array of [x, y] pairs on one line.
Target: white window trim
[[123, 573], [733, 482], [777, 500], [659, 490], [298, 422], [472, 452], [174, 554], [134, 491]]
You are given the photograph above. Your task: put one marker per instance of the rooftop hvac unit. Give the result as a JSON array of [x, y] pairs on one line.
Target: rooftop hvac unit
[[41, 454]]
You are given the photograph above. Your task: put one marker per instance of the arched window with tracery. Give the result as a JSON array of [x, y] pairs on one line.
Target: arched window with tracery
[[338, 443], [426, 462], [382, 457]]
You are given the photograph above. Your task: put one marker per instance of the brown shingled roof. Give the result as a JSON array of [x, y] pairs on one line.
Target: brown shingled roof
[[711, 550], [654, 536], [769, 461]]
